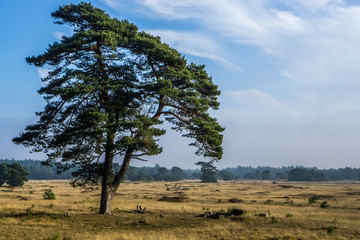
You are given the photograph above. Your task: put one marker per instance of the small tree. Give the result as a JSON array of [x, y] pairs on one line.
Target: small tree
[[109, 89], [208, 172], [3, 173], [16, 175], [13, 174], [177, 173]]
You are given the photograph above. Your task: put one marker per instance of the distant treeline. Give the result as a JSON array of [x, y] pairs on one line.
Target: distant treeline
[[293, 173], [38, 171], [158, 173]]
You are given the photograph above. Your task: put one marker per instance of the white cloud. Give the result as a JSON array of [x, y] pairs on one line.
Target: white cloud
[[319, 39], [115, 4], [173, 9], [315, 42], [194, 43], [311, 5]]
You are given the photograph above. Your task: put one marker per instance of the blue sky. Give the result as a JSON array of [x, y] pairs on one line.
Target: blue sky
[[288, 71]]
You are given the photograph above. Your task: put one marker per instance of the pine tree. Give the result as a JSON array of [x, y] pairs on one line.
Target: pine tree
[[13, 174], [109, 89], [208, 172]]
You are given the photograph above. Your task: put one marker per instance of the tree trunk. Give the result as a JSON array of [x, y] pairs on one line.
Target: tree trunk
[[106, 198], [107, 191]]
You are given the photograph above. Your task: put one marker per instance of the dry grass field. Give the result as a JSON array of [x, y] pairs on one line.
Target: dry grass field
[[24, 214]]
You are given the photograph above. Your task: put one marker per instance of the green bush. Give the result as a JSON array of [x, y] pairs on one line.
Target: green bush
[[49, 194], [324, 205], [30, 212], [274, 219], [313, 199], [331, 230]]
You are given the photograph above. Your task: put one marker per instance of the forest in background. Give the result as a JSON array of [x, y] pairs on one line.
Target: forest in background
[[157, 173]]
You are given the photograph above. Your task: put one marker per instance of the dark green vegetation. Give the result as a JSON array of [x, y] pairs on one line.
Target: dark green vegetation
[[303, 174], [109, 89], [208, 172], [295, 173], [38, 172], [13, 174], [313, 199], [49, 194]]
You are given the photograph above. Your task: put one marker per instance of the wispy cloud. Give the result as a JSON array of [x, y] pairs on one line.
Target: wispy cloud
[[317, 39], [196, 44], [115, 4], [257, 103], [317, 43]]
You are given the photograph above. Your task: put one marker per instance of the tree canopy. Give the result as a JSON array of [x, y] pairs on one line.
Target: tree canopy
[[109, 89], [208, 172], [13, 174]]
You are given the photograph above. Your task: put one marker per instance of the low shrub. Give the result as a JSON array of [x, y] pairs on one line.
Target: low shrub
[[49, 194], [313, 199], [324, 204]]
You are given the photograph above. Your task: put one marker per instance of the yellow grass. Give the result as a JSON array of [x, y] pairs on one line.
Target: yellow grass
[[47, 219]]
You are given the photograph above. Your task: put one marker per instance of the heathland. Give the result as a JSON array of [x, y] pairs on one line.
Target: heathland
[[273, 210]]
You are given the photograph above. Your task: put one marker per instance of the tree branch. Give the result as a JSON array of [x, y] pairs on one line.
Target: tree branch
[[140, 159], [77, 106], [61, 104], [160, 108], [121, 174], [138, 155], [173, 114], [180, 108]]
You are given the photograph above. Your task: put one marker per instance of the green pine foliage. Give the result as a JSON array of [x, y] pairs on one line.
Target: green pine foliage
[[49, 194], [324, 204], [313, 199], [109, 90], [13, 174], [208, 172]]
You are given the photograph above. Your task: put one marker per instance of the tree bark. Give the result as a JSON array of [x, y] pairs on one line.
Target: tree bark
[[106, 198], [119, 177], [107, 189]]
